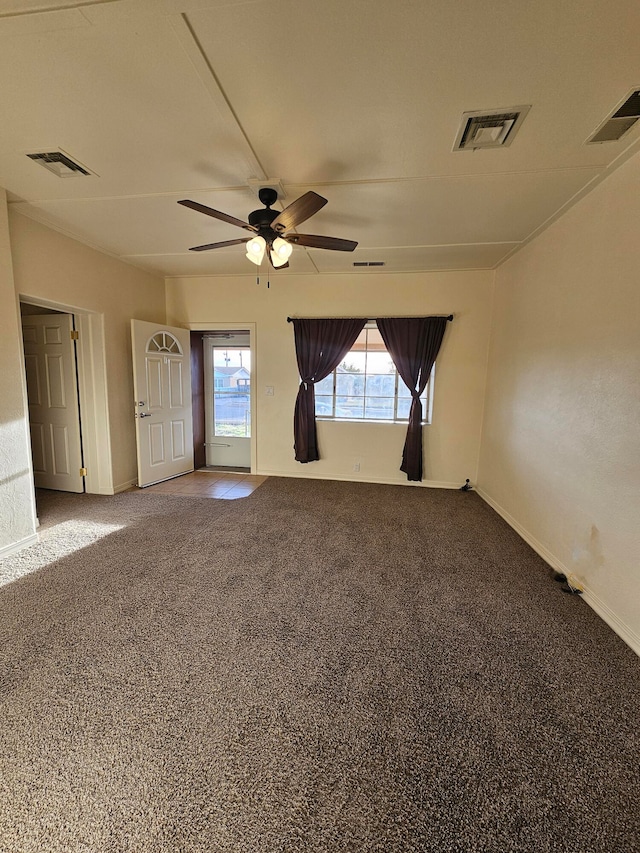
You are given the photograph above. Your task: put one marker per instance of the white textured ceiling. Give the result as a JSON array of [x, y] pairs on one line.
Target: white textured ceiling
[[359, 101]]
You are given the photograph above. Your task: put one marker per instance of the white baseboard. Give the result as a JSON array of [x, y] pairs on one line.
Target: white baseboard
[[7, 550], [538, 547], [613, 621], [122, 487], [603, 610], [428, 484]]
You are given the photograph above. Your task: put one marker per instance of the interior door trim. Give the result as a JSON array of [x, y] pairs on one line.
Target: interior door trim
[[92, 388]]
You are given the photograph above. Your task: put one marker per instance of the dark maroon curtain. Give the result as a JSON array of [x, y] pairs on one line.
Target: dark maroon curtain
[[413, 344], [320, 347]]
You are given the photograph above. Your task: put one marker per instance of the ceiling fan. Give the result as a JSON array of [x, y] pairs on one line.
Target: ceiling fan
[[271, 229]]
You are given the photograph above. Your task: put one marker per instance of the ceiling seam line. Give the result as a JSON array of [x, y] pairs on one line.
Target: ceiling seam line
[[190, 42]]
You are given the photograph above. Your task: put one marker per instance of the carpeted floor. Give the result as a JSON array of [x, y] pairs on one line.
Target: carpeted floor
[[319, 667]]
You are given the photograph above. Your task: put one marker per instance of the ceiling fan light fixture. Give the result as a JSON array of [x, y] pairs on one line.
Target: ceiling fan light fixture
[[276, 261], [281, 249], [255, 249]]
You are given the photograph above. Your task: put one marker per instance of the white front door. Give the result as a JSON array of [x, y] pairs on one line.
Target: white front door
[[52, 391], [227, 372], [162, 401]]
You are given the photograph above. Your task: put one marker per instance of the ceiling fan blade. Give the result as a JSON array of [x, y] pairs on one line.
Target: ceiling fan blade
[[314, 241], [299, 210], [209, 211], [224, 243]]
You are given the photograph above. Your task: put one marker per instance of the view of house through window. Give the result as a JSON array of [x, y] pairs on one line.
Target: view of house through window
[[232, 391], [366, 385]]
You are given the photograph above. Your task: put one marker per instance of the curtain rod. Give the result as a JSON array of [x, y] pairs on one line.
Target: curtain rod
[[449, 317]]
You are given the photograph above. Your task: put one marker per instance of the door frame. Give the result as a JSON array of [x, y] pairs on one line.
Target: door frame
[[251, 328], [92, 392]]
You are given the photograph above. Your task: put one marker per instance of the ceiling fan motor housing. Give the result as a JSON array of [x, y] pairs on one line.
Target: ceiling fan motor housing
[[262, 219], [268, 196]]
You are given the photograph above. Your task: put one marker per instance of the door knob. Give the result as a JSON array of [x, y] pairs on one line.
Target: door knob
[[145, 414]]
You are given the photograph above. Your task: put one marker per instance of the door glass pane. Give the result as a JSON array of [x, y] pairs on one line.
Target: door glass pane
[[232, 392]]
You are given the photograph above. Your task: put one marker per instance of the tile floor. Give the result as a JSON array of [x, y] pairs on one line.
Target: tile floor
[[209, 484]]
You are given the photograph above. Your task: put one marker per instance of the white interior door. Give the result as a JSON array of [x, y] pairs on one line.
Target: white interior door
[[162, 404], [227, 372], [52, 391]]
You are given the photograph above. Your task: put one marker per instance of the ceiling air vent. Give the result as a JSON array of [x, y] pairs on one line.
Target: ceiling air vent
[[489, 128], [59, 163], [616, 125], [369, 263]]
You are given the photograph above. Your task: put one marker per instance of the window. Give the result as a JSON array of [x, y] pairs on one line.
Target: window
[[366, 385], [164, 342], [232, 392]]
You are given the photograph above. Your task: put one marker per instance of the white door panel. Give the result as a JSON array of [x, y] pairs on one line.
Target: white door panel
[[52, 390], [162, 405]]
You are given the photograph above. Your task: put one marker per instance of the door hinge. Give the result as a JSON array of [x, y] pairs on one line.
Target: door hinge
[[74, 335], [83, 472]]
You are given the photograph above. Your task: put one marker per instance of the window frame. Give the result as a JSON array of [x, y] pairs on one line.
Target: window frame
[[427, 396]]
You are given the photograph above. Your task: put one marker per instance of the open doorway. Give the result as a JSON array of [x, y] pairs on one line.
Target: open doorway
[[223, 396], [49, 341], [227, 383], [92, 402]]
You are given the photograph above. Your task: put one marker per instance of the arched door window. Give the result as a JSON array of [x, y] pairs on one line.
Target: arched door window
[[164, 342]]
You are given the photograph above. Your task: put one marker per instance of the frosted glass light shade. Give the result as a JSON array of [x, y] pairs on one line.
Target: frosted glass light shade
[[282, 248], [256, 249], [280, 252]]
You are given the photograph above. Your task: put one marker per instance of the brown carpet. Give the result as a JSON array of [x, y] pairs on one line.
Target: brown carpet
[[319, 667]]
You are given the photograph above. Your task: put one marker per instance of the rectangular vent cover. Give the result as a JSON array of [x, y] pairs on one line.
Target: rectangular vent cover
[[623, 119], [489, 128], [369, 263], [59, 163]]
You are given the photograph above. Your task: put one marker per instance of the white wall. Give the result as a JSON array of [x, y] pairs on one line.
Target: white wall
[[451, 441], [49, 266], [560, 451], [17, 510]]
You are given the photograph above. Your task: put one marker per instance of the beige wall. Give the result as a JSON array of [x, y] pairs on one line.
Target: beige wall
[[451, 441], [52, 267], [561, 439], [17, 510]]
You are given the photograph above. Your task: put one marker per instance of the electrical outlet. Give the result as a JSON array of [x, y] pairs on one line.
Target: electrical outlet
[[356, 466]]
